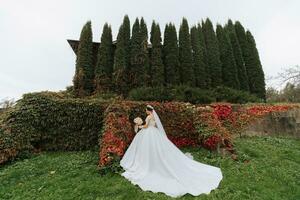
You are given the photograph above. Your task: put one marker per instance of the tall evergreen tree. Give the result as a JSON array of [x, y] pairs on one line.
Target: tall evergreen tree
[[153, 29], [238, 56], [212, 53], [252, 61], [229, 70], [254, 68], [241, 35], [104, 66], [185, 55], [171, 55], [203, 47], [126, 31], [119, 73], [198, 57], [84, 74], [157, 67], [136, 73], [144, 54]]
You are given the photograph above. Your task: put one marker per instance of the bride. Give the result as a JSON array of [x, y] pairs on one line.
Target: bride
[[154, 163]]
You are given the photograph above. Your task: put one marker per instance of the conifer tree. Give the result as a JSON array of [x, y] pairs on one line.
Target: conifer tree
[[185, 55], [238, 56], [119, 70], [198, 58], [254, 68], [135, 48], [153, 27], [252, 61], [144, 55], [229, 70], [213, 54], [241, 35], [84, 74], [157, 67], [104, 66], [203, 47], [126, 30], [171, 55]]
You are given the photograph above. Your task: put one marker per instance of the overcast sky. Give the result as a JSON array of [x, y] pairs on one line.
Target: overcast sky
[[35, 56]]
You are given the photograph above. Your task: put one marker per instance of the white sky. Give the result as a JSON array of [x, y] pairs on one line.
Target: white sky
[[35, 56]]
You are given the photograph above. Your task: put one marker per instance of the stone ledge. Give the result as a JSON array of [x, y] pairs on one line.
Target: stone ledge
[[276, 124]]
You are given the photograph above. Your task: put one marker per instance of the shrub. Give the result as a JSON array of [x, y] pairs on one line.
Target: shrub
[[191, 94], [227, 94], [177, 93], [49, 121], [195, 95], [150, 94]]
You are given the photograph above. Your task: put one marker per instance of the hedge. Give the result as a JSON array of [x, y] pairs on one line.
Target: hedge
[[50, 121], [179, 93], [212, 126], [226, 94], [192, 95], [54, 121]]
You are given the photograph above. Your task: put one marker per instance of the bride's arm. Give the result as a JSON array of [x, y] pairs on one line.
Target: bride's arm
[[147, 122]]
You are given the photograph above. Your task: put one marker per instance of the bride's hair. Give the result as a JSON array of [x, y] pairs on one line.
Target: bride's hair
[[149, 108]]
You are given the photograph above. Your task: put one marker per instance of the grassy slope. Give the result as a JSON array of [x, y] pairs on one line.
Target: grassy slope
[[272, 173]]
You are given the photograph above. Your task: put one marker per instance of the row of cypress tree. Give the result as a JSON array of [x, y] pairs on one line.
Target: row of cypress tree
[[199, 57]]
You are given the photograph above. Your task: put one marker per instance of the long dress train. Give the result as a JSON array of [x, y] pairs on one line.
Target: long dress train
[[155, 164]]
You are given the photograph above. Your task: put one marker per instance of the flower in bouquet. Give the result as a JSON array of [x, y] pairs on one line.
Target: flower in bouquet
[[138, 121]]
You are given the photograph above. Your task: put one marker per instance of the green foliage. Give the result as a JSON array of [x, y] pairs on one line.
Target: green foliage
[[126, 35], [229, 70], [252, 62], [144, 76], [157, 67], [207, 78], [187, 75], [212, 53], [238, 56], [195, 95], [49, 121], [171, 55], [241, 35], [104, 67], [84, 74], [254, 69], [120, 74], [149, 94], [192, 95], [137, 70], [234, 96], [177, 93], [199, 60], [114, 166]]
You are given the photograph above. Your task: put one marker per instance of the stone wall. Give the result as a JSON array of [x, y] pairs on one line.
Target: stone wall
[[276, 123]]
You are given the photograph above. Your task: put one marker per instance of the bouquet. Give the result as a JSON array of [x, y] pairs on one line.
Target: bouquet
[[138, 121]]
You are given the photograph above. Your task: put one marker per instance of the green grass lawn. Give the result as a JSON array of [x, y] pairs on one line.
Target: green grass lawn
[[272, 173]]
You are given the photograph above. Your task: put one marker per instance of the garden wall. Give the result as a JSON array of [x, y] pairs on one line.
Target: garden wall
[[276, 123], [213, 126], [53, 121]]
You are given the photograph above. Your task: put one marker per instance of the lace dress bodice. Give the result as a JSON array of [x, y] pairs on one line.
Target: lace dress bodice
[[150, 121]]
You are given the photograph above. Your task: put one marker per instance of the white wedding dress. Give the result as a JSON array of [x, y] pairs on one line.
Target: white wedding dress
[[155, 164]]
